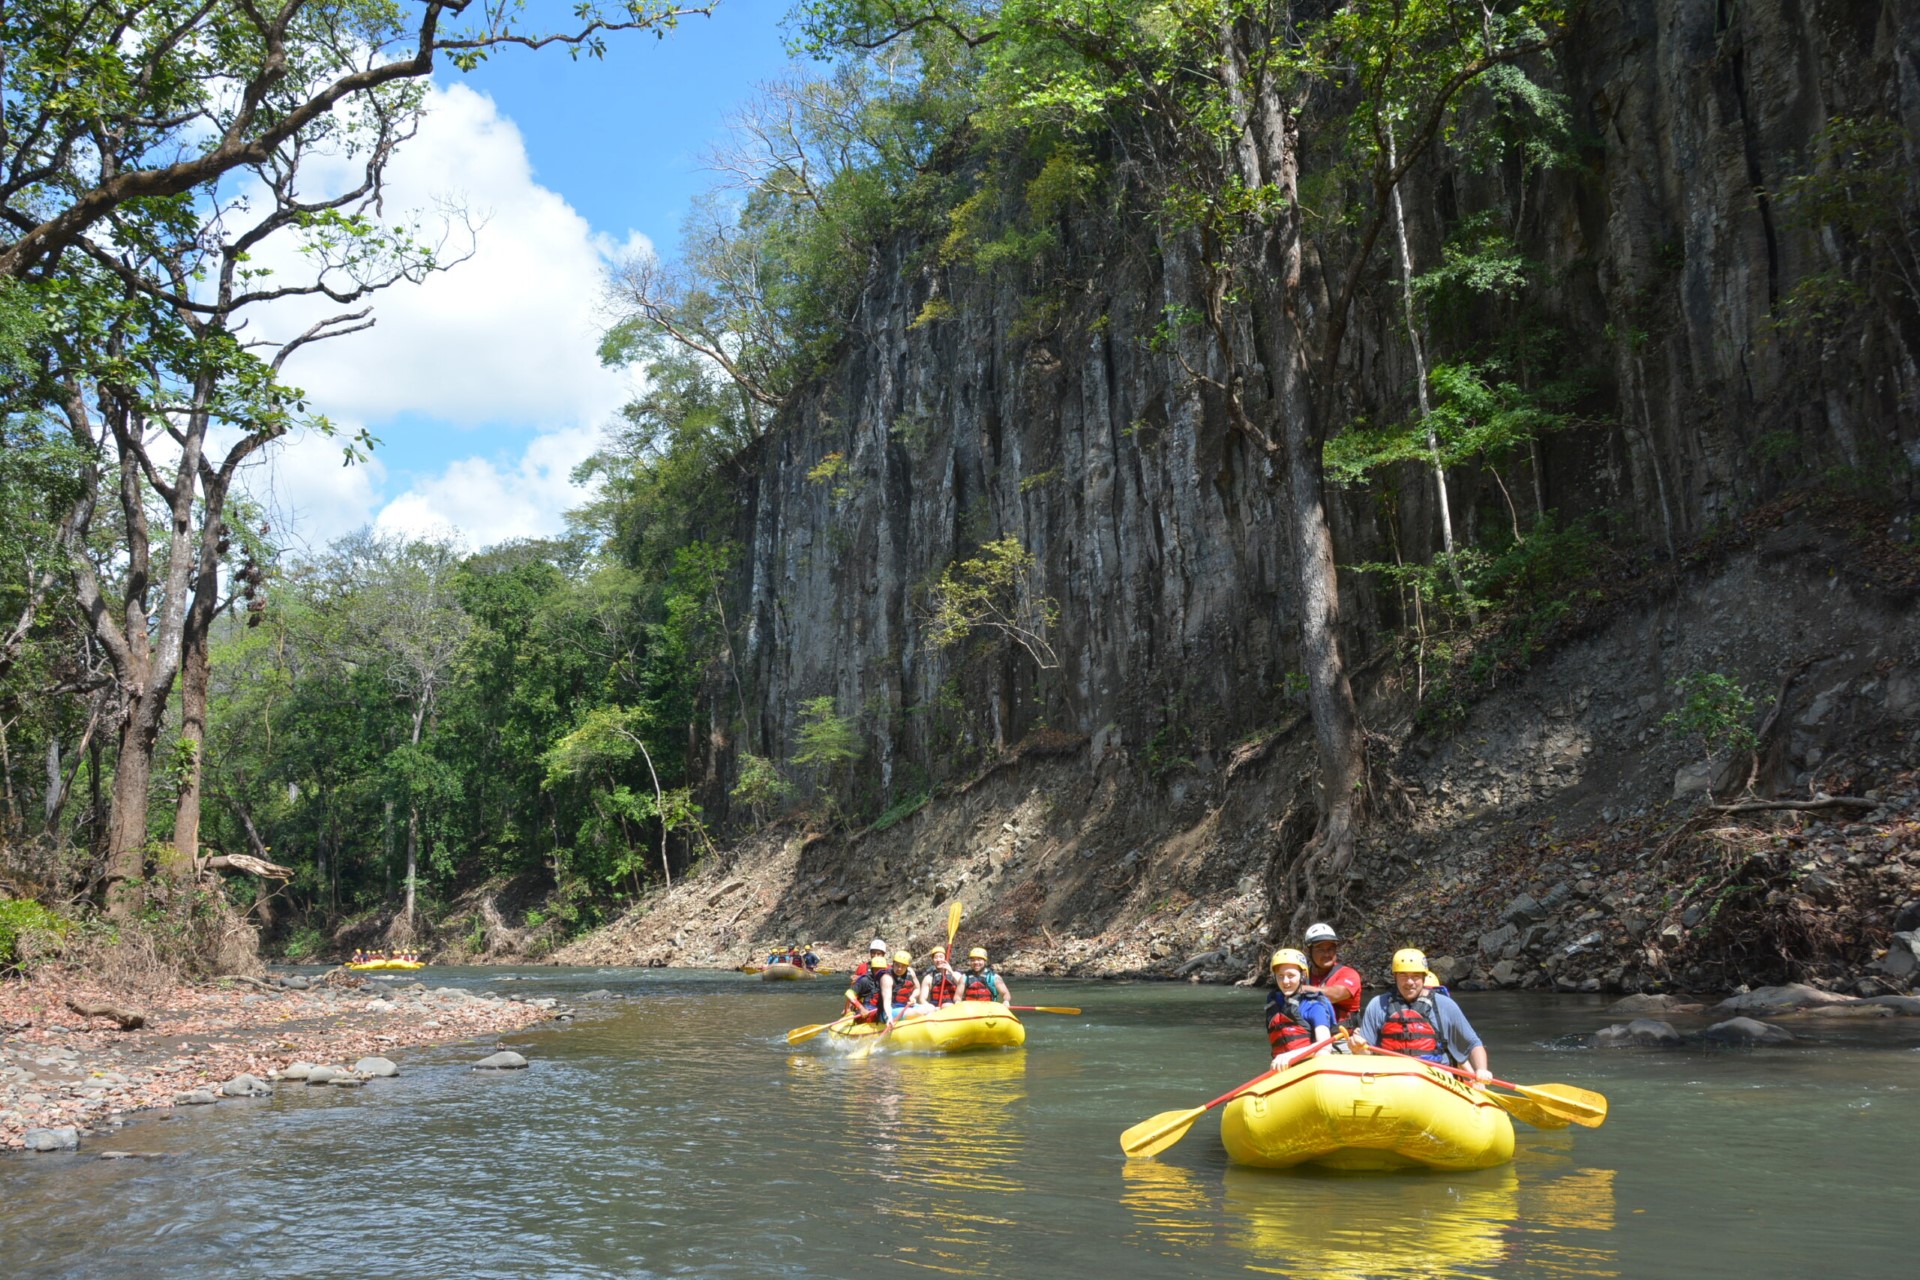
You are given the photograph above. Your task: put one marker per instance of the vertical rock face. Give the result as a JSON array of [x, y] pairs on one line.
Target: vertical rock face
[[1037, 409]]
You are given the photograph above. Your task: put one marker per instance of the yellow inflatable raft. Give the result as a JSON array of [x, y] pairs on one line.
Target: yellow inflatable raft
[[781, 971], [952, 1028], [1355, 1112], [388, 964]]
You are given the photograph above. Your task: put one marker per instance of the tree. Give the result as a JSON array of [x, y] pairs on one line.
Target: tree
[[132, 102], [400, 613]]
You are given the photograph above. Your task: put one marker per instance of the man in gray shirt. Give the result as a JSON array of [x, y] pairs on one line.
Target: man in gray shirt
[[1420, 1023]]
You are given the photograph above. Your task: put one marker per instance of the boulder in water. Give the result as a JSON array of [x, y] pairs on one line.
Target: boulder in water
[[505, 1060], [1795, 995], [1648, 1003], [322, 1075], [1641, 1033], [295, 1071], [375, 1067], [195, 1098], [1745, 1031], [246, 1086], [62, 1139]]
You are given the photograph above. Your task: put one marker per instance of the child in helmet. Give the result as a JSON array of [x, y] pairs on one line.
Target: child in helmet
[[1295, 1019]]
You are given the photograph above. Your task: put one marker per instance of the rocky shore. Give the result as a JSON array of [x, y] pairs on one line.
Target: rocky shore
[[65, 1077]]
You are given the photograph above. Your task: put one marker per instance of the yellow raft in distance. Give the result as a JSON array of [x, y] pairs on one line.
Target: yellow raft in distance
[[781, 971], [952, 1028], [1370, 1113], [388, 964]]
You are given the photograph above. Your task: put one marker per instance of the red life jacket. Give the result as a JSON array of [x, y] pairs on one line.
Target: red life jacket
[[1285, 1031], [1409, 1028], [943, 988], [978, 986], [903, 989]]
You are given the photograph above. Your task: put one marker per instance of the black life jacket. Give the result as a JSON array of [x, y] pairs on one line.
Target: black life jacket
[[978, 986], [1409, 1028], [1285, 1029], [943, 988], [866, 991]]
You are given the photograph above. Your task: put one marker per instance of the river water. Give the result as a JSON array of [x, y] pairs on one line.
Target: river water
[[675, 1133]]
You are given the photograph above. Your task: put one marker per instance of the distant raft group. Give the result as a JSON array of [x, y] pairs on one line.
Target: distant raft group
[[368, 960]]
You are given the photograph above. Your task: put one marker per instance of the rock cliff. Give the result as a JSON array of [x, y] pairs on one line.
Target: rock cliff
[[1125, 804]]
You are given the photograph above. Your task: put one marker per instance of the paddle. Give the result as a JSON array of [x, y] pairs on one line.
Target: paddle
[[1153, 1135], [1045, 1008], [1581, 1106], [799, 1034]]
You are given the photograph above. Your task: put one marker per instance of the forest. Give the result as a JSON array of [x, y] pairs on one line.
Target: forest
[[199, 722]]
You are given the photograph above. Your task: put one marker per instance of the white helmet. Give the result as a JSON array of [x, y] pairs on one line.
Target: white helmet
[[878, 944], [1321, 933]]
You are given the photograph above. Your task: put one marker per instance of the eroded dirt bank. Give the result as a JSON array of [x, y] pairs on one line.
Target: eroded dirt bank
[[1551, 835]]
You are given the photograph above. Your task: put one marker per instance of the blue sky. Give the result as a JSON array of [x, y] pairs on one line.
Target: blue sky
[[482, 385]]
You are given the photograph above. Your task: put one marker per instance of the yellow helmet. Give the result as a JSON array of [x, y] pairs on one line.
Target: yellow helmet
[[1409, 960], [906, 957], [1287, 955], [938, 953], [978, 953]]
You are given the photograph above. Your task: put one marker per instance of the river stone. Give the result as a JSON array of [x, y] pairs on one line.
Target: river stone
[[1524, 910], [1649, 1003], [1506, 973], [296, 1071], [1641, 1033], [452, 993], [1496, 941], [600, 994], [1795, 995], [322, 1075], [1906, 1006], [505, 1060], [63, 1139], [345, 1081], [245, 1085], [195, 1098], [295, 982], [1747, 1031], [375, 1067], [1902, 960]]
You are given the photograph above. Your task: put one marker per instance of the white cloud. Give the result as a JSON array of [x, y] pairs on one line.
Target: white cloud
[[310, 492], [507, 339], [485, 501]]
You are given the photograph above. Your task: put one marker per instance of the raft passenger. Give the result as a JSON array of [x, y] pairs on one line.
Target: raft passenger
[[1426, 1024], [980, 982], [942, 980], [898, 986], [876, 956], [1294, 1019], [1326, 976]]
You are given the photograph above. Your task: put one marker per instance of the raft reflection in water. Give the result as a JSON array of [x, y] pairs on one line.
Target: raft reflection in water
[[1409, 1226], [944, 1131]]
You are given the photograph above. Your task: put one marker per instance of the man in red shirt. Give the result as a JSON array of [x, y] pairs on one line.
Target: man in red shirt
[[1339, 983]]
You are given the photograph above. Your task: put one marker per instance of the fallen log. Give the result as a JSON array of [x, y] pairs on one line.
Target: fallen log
[[127, 1018], [248, 863], [1818, 802]]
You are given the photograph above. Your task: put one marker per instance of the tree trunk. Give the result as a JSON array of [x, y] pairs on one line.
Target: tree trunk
[[193, 736], [1268, 155]]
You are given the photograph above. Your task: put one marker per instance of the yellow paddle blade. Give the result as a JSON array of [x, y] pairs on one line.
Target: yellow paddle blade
[[1530, 1111], [1069, 1010], [1582, 1106], [1153, 1135], [798, 1034], [953, 922]]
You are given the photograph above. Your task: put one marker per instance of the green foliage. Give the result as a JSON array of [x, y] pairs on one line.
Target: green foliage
[[1715, 713], [900, 810], [993, 591], [826, 739], [761, 785], [303, 943], [26, 928], [1861, 196]]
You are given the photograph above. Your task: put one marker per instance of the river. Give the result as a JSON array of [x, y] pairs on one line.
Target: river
[[674, 1133]]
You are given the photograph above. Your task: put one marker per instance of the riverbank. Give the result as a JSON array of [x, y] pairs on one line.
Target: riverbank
[[62, 1070]]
